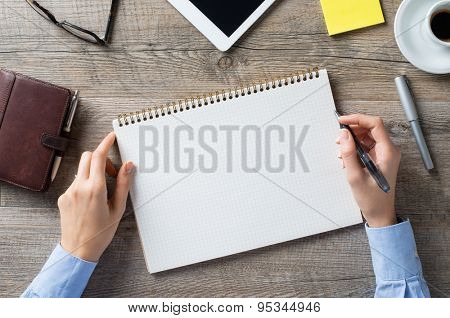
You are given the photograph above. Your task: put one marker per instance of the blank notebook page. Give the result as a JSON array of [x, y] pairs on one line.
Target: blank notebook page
[[190, 211]]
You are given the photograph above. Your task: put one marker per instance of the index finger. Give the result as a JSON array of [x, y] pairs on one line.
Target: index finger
[[100, 155], [373, 124]]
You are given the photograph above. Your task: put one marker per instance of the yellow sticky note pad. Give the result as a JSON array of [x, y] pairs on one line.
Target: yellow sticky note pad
[[345, 15]]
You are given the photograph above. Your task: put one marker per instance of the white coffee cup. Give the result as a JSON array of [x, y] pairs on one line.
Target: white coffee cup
[[436, 8]]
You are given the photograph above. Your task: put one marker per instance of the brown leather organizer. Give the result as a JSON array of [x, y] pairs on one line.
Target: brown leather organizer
[[32, 115]]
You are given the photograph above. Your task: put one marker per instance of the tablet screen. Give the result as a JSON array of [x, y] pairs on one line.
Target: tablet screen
[[227, 15]]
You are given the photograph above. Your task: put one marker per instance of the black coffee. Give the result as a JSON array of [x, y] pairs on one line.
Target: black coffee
[[440, 25]]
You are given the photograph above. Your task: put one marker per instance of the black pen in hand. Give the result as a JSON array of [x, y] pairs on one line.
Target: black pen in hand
[[366, 160]]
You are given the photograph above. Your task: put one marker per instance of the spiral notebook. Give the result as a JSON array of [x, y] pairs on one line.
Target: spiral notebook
[[192, 206]]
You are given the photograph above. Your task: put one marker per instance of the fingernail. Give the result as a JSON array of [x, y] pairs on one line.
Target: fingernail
[[129, 167], [344, 135]]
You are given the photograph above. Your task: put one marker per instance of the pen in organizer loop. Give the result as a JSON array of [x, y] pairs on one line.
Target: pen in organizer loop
[[67, 127], [365, 158]]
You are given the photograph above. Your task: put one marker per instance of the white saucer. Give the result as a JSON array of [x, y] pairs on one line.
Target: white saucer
[[413, 42]]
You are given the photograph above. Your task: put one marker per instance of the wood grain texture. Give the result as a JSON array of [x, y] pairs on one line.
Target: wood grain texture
[[157, 56]]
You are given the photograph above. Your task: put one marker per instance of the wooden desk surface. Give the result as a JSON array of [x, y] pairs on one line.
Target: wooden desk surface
[[157, 56]]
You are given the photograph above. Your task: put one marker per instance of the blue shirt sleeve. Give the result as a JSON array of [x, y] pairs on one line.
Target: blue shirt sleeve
[[63, 276], [395, 261]]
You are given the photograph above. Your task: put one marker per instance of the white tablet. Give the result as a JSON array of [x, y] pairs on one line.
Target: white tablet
[[222, 21]]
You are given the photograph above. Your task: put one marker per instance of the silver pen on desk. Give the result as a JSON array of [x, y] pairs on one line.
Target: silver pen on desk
[[67, 126], [409, 106]]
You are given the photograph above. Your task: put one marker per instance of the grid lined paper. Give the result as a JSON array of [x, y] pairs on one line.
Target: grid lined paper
[[189, 217]]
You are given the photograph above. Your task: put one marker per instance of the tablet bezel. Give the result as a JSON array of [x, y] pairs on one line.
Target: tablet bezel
[[210, 30]]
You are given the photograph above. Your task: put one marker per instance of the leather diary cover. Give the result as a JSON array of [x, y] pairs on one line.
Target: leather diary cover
[[32, 114]]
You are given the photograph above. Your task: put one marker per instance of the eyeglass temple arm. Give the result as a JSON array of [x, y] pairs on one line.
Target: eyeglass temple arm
[[44, 10], [112, 14]]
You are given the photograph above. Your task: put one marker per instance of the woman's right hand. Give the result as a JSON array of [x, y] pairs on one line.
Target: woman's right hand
[[377, 207]]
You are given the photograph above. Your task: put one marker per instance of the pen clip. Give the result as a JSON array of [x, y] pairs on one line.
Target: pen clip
[[71, 112], [408, 85]]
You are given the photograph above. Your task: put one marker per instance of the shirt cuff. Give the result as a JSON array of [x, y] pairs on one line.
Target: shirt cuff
[[394, 253], [63, 275]]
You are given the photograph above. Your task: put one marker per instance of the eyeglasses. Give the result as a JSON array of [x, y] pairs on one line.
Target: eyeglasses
[[79, 32]]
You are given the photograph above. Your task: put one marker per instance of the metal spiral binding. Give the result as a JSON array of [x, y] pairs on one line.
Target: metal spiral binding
[[153, 112]]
